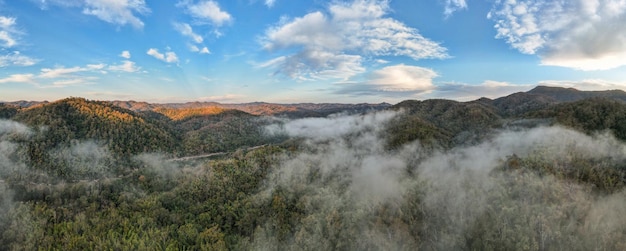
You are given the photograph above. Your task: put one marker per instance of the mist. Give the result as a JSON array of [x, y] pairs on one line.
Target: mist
[[354, 194], [541, 188]]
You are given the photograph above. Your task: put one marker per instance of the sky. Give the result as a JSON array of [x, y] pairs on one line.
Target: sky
[[291, 51]]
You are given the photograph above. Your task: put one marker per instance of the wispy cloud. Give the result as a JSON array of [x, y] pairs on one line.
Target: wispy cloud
[[575, 34], [452, 6], [224, 98], [59, 72], [169, 57], [19, 78], [62, 72], [119, 12], [340, 39], [8, 32], [270, 3], [74, 81], [207, 11], [125, 66], [186, 30], [17, 59]]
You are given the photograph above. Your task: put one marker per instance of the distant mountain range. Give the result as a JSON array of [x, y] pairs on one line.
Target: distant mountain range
[[538, 95]]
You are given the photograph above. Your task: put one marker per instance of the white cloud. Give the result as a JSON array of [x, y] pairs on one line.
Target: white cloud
[[18, 78], [186, 30], [406, 81], [454, 6], [224, 98], [342, 38], [169, 57], [120, 12], [125, 54], [6, 22], [580, 34], [73, 81], [209, 11], [62, 77], [396, 80], [126, 66], [8, 31], [403, 78], [270, 3], [204, 50], [60, 72], [16, 59]]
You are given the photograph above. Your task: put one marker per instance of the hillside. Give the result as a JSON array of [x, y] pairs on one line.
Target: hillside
[[443, 121], [570, 94], [258, 108], [592, 115], [123, 131], [78, 174]]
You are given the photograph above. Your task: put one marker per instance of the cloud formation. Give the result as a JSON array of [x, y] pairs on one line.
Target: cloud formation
[[17, 59], [186, 30], [125, 66], [208, 11], [203, 50], [61, 72], [334, 44], [579, 34], [168, 57], [270, 3], [18, 78], [407, 81], [119, 12], [452, 6], [7, 31], [395, 80], [125, 54]]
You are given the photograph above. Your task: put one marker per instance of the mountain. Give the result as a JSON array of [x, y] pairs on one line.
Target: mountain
[[521, 102], [570, 94], [588, 115], [450, 123], [443, 121], [123, 131], [259, 108], [7, 111]]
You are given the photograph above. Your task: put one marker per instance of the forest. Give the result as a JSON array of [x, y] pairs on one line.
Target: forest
[[537, 170]]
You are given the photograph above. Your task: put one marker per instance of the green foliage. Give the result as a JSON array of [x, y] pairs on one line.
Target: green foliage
[[93, 200], [589, 115], [7, 111], [441, 123]]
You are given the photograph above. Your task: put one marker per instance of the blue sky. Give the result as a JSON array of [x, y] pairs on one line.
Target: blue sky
[[290, 51]]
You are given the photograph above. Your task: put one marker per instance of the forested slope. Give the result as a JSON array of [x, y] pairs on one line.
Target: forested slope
[[421, 175]]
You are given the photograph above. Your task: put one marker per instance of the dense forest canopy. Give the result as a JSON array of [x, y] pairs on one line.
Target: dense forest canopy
[[542, 170]]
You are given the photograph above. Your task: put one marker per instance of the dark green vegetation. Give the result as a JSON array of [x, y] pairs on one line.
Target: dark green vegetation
[[542, 170]]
